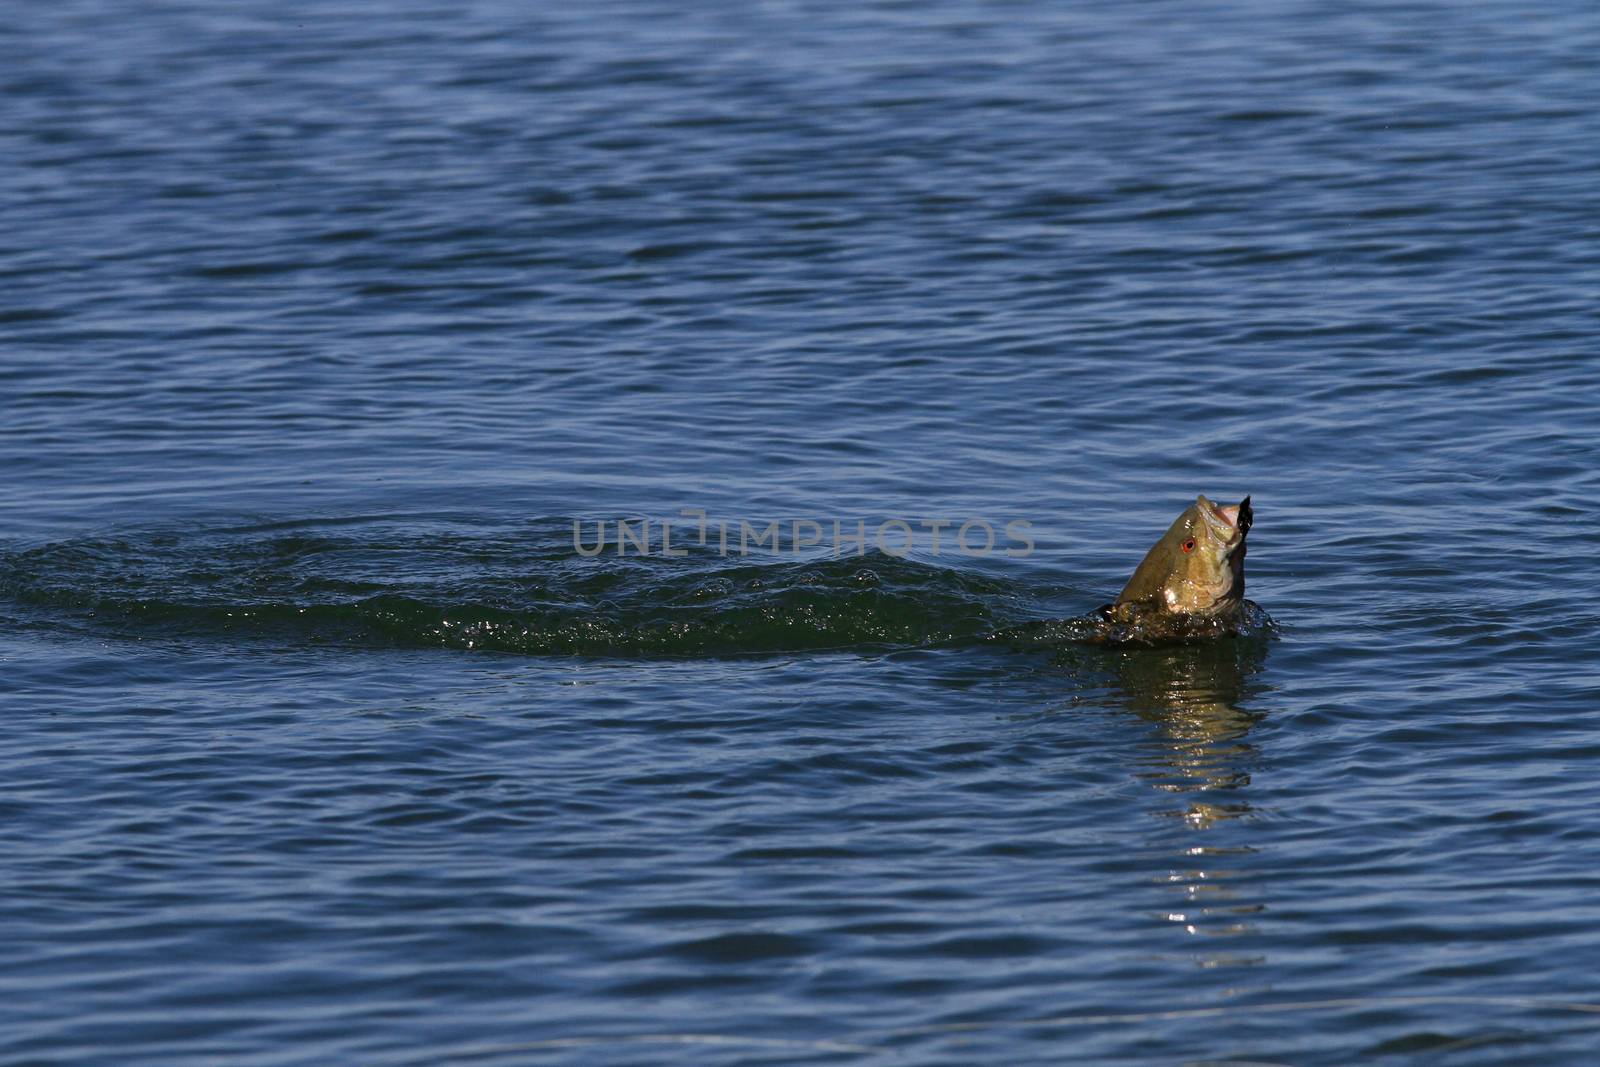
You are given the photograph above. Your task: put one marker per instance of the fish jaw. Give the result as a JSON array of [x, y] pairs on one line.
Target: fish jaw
[[1227, 523], [1241, 515]]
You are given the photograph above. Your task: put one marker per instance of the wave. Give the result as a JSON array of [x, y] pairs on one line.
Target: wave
[[521, 590]]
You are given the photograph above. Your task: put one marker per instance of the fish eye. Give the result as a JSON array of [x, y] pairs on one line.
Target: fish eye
[[1188, 545]]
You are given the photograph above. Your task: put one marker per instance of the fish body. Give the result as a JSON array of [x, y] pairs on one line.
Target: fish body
[[1196, 569]]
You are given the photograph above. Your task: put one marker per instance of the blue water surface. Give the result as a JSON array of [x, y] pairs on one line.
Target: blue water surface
[[326, 742]]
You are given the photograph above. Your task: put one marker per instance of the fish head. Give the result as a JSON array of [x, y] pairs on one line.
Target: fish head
[[1197, 567]]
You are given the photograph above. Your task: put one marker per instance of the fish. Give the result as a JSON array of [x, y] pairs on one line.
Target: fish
[[1196, 569], [1188, 589]]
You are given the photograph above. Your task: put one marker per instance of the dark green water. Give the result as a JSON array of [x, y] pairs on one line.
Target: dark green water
[[326, 742]]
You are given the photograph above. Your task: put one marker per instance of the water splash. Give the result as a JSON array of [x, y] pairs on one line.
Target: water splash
[[1157, 630]]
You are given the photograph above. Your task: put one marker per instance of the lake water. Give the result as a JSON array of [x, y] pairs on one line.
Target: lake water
[[325, 743]]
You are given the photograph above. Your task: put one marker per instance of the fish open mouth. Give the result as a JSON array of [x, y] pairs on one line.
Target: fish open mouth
[[1230, 524]]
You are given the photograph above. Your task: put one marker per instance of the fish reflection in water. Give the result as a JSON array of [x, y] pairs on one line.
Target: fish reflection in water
[[1194, 695], [1196, 699]]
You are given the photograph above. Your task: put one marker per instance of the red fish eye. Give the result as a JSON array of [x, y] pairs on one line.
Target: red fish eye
[[1188, 546]]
